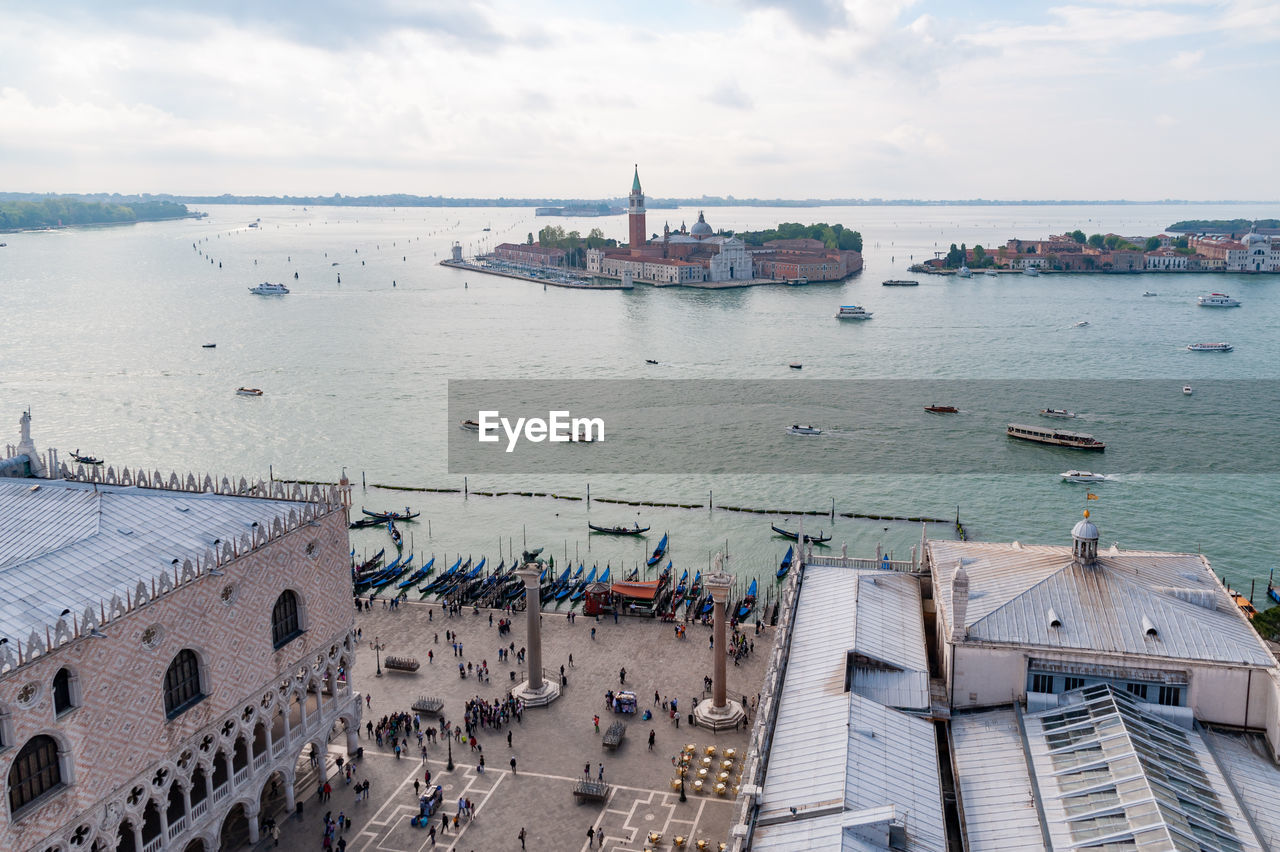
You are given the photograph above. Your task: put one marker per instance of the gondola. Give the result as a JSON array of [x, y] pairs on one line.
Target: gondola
[[695, 588], [786, 562], [441, 580], [636, 530], [361, 523], [658, 552], [372, 562], [417, 576], [581, 588], [816, 539], [90, 460], [406, 515], [396, 538], [747, 603]]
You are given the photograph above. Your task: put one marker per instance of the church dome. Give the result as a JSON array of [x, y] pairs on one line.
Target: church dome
[[701, 228], [1254, 237]]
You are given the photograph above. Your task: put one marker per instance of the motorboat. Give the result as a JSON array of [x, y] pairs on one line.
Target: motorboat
[[797, 282], [992, 273], [1083, 476], [964, 272], [1030, 270], [796, 365], [1055, 437], [1186, 389], [854, 312], [1210, 347], [650, 361], [470, 425], [942, 409], [266, 288], [1148, 293], [85, 459], [895, 282], [797, 429], [249, 391], [1081, 324], [1060, 413], [1217, 300]]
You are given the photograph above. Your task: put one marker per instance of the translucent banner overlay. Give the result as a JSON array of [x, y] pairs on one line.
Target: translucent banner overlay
[[864, 427]]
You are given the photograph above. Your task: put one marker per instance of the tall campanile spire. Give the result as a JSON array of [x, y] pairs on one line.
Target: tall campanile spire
[[635, 213]]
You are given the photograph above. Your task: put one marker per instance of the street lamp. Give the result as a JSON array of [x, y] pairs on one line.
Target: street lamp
[[683, 797], [377, 647], [449, 768]]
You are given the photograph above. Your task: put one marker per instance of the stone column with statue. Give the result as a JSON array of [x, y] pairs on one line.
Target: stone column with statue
[[718, 712], [535, 690]]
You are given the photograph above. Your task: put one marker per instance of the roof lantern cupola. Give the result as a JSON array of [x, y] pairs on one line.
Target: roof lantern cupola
[[1084, 541]]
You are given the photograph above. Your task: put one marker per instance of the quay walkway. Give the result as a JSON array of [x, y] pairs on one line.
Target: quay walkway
[[571, 283]]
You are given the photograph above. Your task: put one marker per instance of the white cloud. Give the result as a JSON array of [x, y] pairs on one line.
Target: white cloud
[[1186, 59]]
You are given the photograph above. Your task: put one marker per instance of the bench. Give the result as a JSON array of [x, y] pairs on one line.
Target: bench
[[594, 791], [428, 705], [400, 664], [613, 736]]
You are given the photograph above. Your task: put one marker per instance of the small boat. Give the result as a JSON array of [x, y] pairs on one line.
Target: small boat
[[795, 365], [636, 530], [658, 552], [1056, 437], [815, 539], [1081, 324], [1148, 294], [1058, 413], [85, 459], [893, 282], [1186, 389], [1272, 591], [1210, 347], [942, 409], [1031, 270], [797, 282], [650, 361], [361, 523], [249, 391], [992, 273], [208, 346], [964, 272], [797, 429], [854, 312], [470, 425], [1083, 476], [396, 537], [266, 288], [1217, 300], [406, 515], [786, 562], [747, 603]]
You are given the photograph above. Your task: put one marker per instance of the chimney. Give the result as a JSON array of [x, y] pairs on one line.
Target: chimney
[[959, 603]]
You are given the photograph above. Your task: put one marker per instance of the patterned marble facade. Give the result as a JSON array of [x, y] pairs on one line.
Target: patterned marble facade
[[134, 775]]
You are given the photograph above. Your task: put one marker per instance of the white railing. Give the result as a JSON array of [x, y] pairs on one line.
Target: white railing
[[862, 564], [220, 793], [277, 747], [259, 760], [199, 809], [154, 845], [241, 775], [177, 826]]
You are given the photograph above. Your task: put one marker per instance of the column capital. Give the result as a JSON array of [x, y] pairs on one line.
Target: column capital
[[529, 574], [718, 585]]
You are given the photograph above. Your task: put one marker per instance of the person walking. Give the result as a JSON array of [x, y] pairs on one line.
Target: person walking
[[275, 834], [596, 721], [622, 676], [652, 736], [522, 836], [601, 777], [508, 739], [513, 765], [591, 836]]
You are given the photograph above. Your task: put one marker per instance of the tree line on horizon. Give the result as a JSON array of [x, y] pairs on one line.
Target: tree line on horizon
[[58, 212]]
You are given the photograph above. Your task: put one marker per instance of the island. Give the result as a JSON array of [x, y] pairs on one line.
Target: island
[[65, 212], [1242, 249]]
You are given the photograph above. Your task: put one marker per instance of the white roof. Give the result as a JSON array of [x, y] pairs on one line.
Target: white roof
[[1101, 607], [887, 759], [1244, 759], [994, 786], [68, 545]]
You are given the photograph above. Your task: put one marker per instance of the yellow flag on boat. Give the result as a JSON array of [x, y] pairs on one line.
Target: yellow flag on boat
[[1090, 496]]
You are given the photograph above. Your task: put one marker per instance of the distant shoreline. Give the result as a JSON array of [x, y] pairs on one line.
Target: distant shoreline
[[37, 228]]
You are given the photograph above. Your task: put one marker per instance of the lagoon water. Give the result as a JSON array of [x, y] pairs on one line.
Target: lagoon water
[[103, 331]]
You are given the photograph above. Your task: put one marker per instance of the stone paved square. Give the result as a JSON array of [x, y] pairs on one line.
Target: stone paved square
[[550, 745]]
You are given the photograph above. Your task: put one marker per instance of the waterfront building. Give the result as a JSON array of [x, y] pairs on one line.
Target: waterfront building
[[698, 255], [530, 254], [995, 696], [1253, 252], [173, 649]]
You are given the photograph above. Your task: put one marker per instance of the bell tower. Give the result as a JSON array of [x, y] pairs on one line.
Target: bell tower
[[635, 214]]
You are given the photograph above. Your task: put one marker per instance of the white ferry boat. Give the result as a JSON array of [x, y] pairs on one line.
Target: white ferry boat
[[1083, 476], [266, 288], [855, 312], [1056, 437], [896, 282], [1186, 389], [1210, 347], [797, 429], [1217, 300], [1059, 413]]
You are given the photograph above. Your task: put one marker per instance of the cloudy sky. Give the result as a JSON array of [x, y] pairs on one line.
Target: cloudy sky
[[1138, 99]]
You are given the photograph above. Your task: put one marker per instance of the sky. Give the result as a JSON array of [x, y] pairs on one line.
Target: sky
[[1091, 99]]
